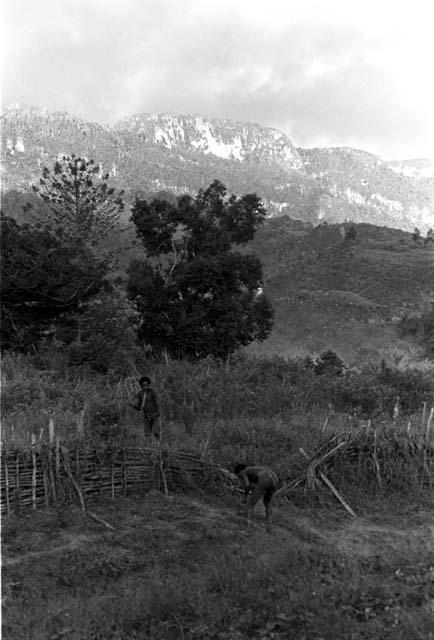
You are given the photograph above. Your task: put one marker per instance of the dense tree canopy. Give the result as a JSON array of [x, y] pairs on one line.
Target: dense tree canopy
[[194, 293], [41, 279]]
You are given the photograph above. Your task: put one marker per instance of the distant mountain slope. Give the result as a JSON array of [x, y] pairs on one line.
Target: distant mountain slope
[[186, 152], [329, 292]]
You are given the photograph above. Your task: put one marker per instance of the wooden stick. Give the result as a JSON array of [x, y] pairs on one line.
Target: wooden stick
[[57, 456], [428, 425], [100, 520], [427, 440], [33, 473], [51, 430], [376, 463], [163, 475], [8, 506], [207, 441], [331, 487], [336, 494], [17, 481], [423, 414], [65, 460], [45, 479], [325, 423], [124, 471]]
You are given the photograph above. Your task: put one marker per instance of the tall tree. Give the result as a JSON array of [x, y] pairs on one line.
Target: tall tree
[[80, 207], [41, 279], [194, 293]]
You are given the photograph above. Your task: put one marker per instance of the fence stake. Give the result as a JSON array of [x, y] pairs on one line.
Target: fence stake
[[51, 430], [33, 473], [124, 471], [376, 463], [8, 507], [57, 455], [45, 479], [427, 439], [423, 414], [112, 478], [80, 424], [17, 480], [428, 425]]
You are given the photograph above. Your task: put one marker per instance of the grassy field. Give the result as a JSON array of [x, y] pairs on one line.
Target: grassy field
[[185, 567]]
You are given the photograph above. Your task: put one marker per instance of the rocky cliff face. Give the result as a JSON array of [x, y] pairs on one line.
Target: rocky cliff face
[[185, 153]]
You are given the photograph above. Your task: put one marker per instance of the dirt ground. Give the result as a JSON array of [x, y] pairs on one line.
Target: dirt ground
[[186, 567]]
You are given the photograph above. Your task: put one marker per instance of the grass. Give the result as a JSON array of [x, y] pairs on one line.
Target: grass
[[185, 568], [272, 395], [332, 294]]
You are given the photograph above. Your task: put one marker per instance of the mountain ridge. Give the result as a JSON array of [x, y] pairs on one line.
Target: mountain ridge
[[151, 152]]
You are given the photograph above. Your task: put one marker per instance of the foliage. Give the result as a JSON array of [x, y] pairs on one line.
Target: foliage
[[82, 208], [195, 295], [327, 362], [103, 335], [41, 279]]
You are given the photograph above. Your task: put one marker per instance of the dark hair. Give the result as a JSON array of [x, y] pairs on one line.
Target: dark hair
[[239, 467], [143, 379]]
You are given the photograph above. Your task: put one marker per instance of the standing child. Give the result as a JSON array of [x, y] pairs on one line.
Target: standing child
[[146, 402]]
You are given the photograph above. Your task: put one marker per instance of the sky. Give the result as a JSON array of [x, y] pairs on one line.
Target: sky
[[326, 73]]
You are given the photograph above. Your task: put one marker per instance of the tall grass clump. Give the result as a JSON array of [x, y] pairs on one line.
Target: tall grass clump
[[250, 403]]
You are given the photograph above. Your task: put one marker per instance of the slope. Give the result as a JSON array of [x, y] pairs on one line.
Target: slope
[[333, 292]]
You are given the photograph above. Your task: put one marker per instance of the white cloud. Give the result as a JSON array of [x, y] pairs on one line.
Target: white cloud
[[337, 71]]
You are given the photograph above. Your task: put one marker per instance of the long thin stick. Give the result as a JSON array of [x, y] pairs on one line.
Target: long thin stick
[[100, 520], [337, 494], [33, 473], [17, 481], [163, 475], [423, 414], [376, 463], [65, 460], [207, 441], [8, 507], [427, 440], [332, 488]]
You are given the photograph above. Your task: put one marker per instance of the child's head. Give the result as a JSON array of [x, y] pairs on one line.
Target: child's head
[[144, 381]]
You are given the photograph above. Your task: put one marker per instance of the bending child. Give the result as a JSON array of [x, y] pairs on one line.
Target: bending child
[[259, 482]]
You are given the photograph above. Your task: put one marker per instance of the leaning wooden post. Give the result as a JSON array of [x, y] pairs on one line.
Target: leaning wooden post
[[332, 488], [51, 430], [17, 480], [33, 473], [50, 459], [376, 463], [426, 444], [8, 506], [423, 414]]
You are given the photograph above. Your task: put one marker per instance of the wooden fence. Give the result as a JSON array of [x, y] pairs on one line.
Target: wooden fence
[[49, 475]]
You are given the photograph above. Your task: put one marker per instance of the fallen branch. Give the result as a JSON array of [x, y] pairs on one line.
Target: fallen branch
[[65, 460], [100, 520]]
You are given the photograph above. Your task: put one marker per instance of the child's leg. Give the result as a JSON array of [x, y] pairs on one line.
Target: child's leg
[[268, 499], [256, 494]]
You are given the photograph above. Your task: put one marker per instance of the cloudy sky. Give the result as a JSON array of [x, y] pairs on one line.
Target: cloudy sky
[[341, 72]]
